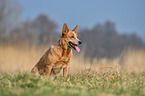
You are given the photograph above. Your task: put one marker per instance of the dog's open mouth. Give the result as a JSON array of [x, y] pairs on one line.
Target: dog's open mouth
[[74, 46]]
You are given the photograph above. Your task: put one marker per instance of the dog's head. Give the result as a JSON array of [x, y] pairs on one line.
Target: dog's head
[[70, 37]]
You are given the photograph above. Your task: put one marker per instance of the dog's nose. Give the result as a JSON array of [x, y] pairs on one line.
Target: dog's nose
[[79, 42]]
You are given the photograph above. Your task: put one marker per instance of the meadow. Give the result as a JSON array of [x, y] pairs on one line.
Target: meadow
[[123, 75]]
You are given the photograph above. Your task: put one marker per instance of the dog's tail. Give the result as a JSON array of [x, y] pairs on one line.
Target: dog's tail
[[34, 70]]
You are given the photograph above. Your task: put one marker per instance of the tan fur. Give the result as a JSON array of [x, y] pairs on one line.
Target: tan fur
[[57, 57]]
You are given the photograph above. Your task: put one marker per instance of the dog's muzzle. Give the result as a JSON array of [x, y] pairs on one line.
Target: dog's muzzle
[[74, 46]]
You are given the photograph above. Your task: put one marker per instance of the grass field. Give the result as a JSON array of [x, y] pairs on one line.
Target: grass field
[[86, 83], [124, 75]]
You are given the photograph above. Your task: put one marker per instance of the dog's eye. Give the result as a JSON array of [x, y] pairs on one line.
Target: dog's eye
[[72, 36]]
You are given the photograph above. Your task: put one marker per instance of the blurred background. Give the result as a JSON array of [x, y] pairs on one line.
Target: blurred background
[[112, 33]]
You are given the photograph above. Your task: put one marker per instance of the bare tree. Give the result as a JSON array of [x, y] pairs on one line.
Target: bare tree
[[41, 30], [9, 16]]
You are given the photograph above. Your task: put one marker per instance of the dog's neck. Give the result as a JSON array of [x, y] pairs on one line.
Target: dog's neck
[[69, 49], [64, 45]]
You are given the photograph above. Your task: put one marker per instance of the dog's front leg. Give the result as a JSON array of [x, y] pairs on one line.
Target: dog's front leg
[[48, 70], [65, 71]]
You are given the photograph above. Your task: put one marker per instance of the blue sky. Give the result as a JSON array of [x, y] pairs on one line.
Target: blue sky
[[128, 15]]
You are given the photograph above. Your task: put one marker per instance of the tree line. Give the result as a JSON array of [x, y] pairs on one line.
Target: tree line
[[103, 40]]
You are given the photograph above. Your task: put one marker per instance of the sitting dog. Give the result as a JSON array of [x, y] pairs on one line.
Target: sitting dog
[[58, 57]]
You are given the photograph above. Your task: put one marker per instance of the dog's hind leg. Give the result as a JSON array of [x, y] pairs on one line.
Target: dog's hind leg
[[48, 70]]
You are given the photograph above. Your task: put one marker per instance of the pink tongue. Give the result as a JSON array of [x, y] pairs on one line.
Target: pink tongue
[[77, 48]]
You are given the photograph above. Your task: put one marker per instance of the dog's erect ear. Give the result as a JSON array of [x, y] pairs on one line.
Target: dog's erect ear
[[75, 29], [65, 29]]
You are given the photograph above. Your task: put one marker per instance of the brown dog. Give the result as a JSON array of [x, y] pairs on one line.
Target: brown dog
[[58, 57]]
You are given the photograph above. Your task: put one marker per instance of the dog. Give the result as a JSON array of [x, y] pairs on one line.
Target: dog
[[58, 56]]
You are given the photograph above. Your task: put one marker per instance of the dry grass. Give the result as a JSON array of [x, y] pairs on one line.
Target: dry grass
[[97, 81], [15, 59]]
